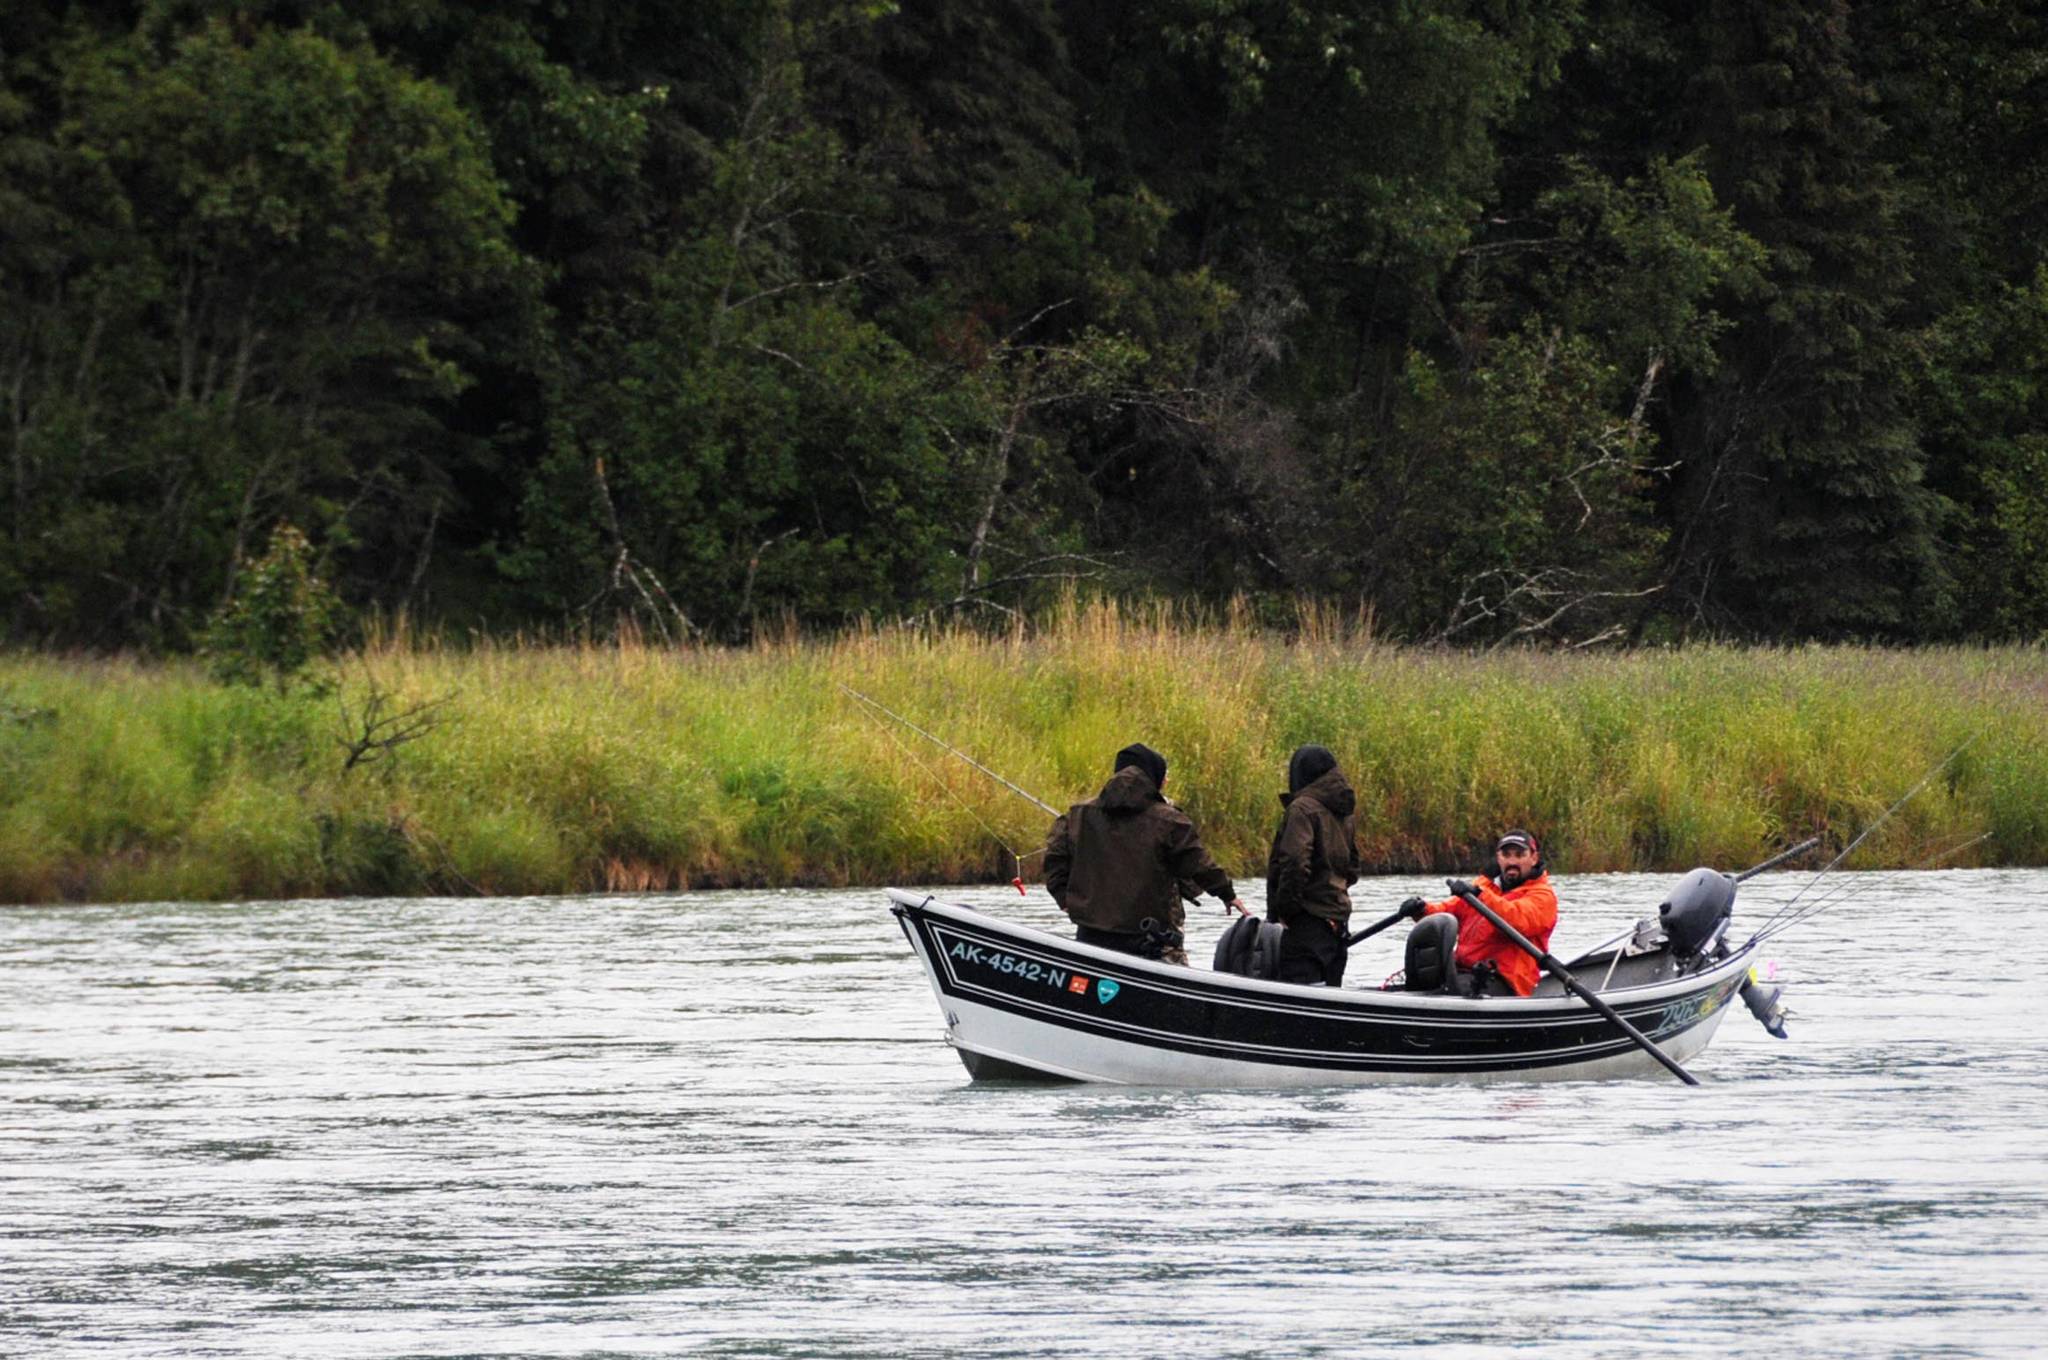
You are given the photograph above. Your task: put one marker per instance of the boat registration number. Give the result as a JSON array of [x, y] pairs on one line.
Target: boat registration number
[[1024, 970], [1679, 1014]]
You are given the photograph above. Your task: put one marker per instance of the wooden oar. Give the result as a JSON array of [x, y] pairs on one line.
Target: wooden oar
[[1375, 928], [1559, 971]]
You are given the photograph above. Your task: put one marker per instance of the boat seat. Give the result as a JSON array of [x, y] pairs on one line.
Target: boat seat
[[1250, 948], [1431, 956]]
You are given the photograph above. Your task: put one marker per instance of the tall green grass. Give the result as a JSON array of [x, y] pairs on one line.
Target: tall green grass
[[576, 768]]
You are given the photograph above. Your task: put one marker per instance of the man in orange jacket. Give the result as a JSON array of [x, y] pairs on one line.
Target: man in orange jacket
[[1522, 895]]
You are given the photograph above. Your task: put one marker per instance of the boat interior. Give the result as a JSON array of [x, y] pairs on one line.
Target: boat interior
[[1609, 970]]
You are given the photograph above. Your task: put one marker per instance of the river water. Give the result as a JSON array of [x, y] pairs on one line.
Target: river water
[[727, 1124]]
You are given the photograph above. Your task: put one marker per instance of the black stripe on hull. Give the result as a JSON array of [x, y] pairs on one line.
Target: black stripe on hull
[[1032, 976]]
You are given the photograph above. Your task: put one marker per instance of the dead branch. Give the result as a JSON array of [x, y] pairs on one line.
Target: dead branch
[[628, 571], [373, 732], [979, 595], [1531, 603]]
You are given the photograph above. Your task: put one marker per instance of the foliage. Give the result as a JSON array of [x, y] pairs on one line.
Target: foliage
[[281, 617], [1580, 320], [285, 247], [630, 767]]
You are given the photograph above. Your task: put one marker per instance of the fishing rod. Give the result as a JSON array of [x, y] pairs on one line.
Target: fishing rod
[[1868, 831], [1846, 892], [1775, 860], [1791, 852], [1017, 879], [950, 749]]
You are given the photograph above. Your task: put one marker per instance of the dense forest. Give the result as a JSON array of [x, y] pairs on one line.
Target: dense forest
[[1565, 321]]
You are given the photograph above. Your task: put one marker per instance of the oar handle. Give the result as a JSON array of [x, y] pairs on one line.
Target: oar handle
[[1375, 928], [1775, 860], [1562, 974]]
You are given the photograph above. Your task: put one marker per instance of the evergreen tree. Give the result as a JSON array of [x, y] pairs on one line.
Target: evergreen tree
[[1804, 511]]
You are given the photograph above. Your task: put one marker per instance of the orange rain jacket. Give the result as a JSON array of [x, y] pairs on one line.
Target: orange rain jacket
[[1530, 908]]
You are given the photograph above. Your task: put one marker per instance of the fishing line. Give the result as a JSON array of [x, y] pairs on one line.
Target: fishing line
[[1886, 816], [1849, 892], [1853, 886]]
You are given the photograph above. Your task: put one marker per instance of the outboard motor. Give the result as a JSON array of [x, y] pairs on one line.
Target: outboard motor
[[1766, 1001], [1697, 912]]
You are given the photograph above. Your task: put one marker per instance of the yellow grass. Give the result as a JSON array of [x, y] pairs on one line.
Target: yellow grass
[[630, 767]]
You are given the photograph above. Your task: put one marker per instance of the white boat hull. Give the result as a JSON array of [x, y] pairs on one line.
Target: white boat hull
[[1021, 1003]]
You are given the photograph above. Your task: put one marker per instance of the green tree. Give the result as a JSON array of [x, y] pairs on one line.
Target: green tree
[[741, 440], [287, 251], [1985, 395], [1804, 508], [282, 617]]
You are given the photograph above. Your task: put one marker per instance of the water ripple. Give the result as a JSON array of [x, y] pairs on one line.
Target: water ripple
[[623, 1127]]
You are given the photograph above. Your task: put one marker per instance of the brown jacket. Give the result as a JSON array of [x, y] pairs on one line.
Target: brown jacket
[[1120, 857], [1314, 860]]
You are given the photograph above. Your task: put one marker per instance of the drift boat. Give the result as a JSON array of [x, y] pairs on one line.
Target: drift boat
[[1022, 1004]]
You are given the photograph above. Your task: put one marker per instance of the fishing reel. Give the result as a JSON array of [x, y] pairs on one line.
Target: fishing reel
[[1158, 939]]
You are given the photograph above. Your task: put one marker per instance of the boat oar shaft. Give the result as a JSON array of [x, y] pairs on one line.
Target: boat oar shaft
[[1375, 928], [1562, 974], [1775, 860]]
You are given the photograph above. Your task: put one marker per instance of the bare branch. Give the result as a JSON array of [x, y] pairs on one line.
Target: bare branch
[[775, 353], [801, 285], [373, 732], [1532, 603], [754, 565], [628, 571]]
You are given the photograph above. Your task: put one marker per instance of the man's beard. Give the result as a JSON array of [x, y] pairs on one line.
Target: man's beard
[[1511, 877]]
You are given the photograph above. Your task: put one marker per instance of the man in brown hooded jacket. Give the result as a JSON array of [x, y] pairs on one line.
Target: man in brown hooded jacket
[[1116, 862], [1312, 866]]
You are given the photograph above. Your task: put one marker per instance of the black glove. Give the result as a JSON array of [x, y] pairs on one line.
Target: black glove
[[1414, 908], [1459, 887]]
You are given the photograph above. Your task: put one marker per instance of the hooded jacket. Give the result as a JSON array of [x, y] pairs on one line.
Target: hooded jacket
[[1120, 857], [1314, 860], [1529, 906]]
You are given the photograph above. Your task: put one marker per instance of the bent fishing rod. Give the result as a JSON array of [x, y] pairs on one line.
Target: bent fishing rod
[[953, 750], [950, 749], [1017, 879]]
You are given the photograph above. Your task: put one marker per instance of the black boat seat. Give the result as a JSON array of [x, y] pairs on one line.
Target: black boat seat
[[1431, 955], [1431, 964], [1250, 948]]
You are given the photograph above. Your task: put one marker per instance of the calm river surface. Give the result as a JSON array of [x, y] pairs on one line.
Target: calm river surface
[[727, 1124]]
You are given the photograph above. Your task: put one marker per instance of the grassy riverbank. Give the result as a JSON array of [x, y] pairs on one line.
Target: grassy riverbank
[[556, 769]]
